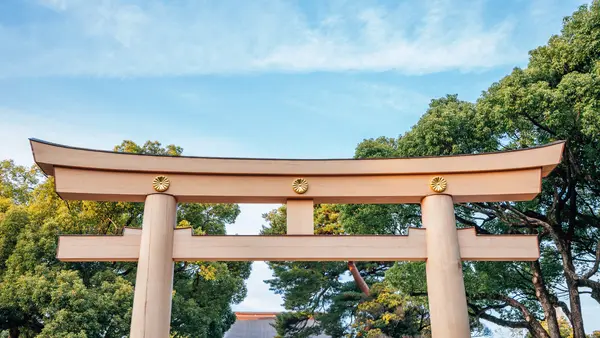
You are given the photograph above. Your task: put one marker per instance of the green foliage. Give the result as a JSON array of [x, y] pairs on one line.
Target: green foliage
[[42, 297], [149, 148], [566, 331], [390, 313], [296, 324], [556, 97], [381, 147], [450, 126], [323, 298], [17, 182]]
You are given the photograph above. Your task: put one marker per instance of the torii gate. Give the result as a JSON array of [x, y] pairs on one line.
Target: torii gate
[[163, 181]]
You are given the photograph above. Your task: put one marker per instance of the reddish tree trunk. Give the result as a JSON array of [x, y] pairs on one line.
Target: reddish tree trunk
[[360, 282], [543, 296]]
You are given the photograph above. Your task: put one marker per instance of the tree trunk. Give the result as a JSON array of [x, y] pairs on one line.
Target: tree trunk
[[14, 332], [543, 296], [570, 273], [571, 278], [534, 326], [576, 315], [360, 282], [538, 332]]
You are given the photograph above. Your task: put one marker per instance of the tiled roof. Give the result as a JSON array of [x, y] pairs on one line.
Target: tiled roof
[[255, 325]]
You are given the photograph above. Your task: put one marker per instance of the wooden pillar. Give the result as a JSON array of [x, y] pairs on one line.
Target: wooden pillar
[[445, 285], [151, 317], [300, 219]]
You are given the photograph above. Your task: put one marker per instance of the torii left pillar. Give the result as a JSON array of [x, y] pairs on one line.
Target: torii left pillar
[[151, 317]]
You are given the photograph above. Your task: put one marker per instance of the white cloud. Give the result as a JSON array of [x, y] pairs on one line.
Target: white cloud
[[19, 126], [444, 40], [382, 101], [58, 5], [154, 38], [97, 132]]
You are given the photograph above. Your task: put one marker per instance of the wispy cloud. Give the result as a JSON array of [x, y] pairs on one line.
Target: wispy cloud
[[380, 101], [102, 133], [157, 38]]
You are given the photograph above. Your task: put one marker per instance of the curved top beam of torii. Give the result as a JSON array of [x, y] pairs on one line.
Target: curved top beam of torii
[[103, 175]]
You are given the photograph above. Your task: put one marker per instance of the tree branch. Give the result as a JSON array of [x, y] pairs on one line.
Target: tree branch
[[592, 284], [472, 224], [498, 321], [532, 323], [537, 124], [594, 268]]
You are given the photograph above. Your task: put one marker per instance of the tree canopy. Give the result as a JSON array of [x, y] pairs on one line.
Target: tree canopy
[[556, 97], [42, 297]]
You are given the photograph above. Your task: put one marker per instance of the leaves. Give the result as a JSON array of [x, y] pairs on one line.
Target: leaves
[[556, 97], [324, 298], [42, 297]]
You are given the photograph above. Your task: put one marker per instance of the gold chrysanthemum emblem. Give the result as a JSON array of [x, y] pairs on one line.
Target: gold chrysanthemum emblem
[[300, 186], [161, 183], [438, 184]]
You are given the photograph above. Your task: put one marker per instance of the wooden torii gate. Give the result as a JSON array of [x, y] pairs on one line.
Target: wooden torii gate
[[162, 181]]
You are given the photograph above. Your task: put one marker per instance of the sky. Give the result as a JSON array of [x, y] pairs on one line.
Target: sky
[[286, 79]]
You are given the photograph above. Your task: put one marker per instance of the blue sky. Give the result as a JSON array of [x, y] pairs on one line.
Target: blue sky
[[293, 79]]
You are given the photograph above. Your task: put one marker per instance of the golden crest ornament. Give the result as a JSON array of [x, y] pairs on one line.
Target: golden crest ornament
[[161, 183], [300, 186], [438, 184]]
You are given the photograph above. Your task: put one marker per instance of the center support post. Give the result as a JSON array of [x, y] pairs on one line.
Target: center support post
[[445, 284], [151, 317]]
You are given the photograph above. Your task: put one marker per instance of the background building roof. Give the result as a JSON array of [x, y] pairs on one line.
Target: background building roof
[[255, 325]]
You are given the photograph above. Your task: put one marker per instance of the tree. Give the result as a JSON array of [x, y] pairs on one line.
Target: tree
[[42, 297], [322, 297], [556, 97]]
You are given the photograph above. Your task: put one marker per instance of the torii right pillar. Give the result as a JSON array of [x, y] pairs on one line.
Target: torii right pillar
[[445, 285]]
